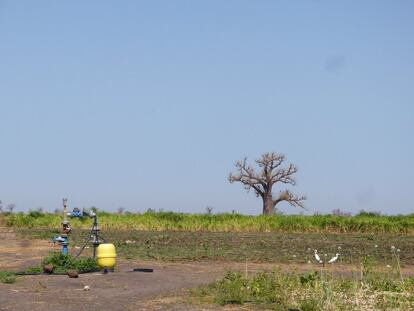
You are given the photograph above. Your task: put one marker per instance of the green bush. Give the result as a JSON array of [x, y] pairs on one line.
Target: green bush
[[62, 263]]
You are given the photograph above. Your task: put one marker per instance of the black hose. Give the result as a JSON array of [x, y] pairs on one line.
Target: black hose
[[35, 273], [22, 273], [143, 270]]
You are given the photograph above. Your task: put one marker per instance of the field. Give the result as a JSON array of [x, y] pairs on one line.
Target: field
[[233, 261], [281, 247]]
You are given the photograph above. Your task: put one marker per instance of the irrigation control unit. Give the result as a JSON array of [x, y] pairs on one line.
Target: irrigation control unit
[[94, 236]]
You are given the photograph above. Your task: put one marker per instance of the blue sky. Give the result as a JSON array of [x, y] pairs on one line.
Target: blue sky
[[147, 104]]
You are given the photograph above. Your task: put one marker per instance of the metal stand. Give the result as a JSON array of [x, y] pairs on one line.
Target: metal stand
[[94, 236]]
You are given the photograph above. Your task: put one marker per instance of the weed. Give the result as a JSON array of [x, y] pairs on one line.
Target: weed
[[232, 289], [368, 265], [310, 304], [385, 285], [7, 277], [34, 269], [63, 262], [311, 278], [86, 264]]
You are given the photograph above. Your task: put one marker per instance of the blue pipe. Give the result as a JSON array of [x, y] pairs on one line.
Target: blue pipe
[[65, 243]]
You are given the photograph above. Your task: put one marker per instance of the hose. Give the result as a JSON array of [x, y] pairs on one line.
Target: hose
[[23, 273]]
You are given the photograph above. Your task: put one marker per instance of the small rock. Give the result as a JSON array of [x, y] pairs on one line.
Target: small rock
[[87, 288], [48, 269], [72, 274]]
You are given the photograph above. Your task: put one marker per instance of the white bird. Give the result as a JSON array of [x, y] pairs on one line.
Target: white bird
[[318, 259], [334, 259]]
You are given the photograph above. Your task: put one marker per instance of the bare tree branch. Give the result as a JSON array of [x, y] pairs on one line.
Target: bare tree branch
[[285, 175], [247, 176], [290, 198]]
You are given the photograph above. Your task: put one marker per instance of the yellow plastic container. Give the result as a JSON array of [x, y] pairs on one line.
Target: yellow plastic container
[[106, 256]]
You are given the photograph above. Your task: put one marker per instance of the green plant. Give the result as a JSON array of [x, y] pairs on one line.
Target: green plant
[[396, 261], [7, 277], [368, 265], [232, 289], [310, 304], [62, 263], [86, 264], [385, 285], [34, 269], [310, 279]]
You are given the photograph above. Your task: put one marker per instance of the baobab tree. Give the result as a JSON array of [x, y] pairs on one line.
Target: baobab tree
[[262, 180]]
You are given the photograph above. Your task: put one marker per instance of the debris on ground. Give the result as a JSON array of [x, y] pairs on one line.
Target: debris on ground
[[73, 274], [48, 269]]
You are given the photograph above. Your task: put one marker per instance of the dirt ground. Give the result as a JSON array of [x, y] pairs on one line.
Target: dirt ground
[[122, 290], [164, 289]]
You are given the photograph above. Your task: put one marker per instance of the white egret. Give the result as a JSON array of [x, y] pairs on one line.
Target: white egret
[[334, 259], [318, 259]]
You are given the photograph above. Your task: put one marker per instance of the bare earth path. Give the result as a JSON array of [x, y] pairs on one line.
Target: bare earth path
[[20, 253]]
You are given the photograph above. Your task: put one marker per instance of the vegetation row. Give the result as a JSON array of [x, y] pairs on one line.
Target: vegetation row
[[364, 222]]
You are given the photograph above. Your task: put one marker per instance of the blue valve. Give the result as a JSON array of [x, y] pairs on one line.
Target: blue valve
[[76, 213], [63, 240]]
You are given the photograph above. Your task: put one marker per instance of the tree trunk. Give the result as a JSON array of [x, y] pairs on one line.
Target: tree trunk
[[268, 204]]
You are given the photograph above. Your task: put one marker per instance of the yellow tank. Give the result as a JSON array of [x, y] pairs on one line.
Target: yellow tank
[[106, 256]]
